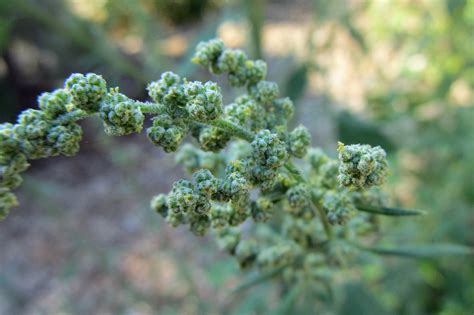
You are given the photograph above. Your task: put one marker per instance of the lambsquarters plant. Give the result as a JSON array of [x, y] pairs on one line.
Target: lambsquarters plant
[[247, 166]]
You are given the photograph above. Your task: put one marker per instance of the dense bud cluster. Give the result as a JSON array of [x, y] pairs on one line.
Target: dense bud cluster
[[55, 103], [166, 132], [86, 90], [120, 115], [240, 69], [232, 181], [361, 165], [339, 207], [205, 101], [299, 141], [276, 256]]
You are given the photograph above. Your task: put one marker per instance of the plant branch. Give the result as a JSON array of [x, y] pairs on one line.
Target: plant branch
[[322, 215], [233, 129]]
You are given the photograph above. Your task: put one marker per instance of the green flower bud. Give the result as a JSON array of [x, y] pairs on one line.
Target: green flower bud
[[11, 181], [166, 132], [233, 62], [306, 233], [299, 196], [182, 197], [207, 54], [169, 91], [234, 185], [175, 218], [203, 205], [255, 70], [204, 101], [206, 184], [86, 90], [262, 209], [361, 166], [220, 216], [121, 115], [299, 140], [159, 204], [237, 166], [55, 103], [10, 141], [227, 239], [284, 108], [246, 113], [11, 164], [268, 150], [276, 256], [199, 224], [213, 139], [317, 158], [338, 206], [240, 209], [32, 128], [65, 139], [7, 201], [246, 253], [264, 176], [158, 89], [264, 92], [328, 175]]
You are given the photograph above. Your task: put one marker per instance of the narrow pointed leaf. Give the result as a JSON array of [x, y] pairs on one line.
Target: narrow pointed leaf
[[288, 301], [422, 250], [257, 279], [389, 211]]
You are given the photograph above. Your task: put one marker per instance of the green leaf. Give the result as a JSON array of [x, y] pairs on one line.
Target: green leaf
[[389, 211], [288, 301], [421, 250], [257, 279]]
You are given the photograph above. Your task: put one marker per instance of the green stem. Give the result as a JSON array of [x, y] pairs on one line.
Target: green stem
[[322, 215], [233, 129], [297, 175], [150, 108], [294, 171], [73, 116]]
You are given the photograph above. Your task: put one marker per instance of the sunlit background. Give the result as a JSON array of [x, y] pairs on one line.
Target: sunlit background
[[399, 74]]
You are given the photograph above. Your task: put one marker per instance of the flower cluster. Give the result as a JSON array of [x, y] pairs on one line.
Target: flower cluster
[[242, 168], [38, 133], [241, 71], [361, 165], [120, 114]]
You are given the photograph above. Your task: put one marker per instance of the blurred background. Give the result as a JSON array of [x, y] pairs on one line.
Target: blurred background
[[399, 74]]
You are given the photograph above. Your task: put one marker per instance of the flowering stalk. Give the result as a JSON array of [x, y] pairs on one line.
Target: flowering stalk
[[232, 181]]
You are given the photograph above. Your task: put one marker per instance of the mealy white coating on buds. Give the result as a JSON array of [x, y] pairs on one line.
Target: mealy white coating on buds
[[252, 180], [361, 166], [204, 101], [299, 141], [121, 115], [86, 90]]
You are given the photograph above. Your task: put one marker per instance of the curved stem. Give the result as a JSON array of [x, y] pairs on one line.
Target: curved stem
[[297, 175], [322, 215], [233, 129], [73, 116], [294, 171], [150, 108]]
